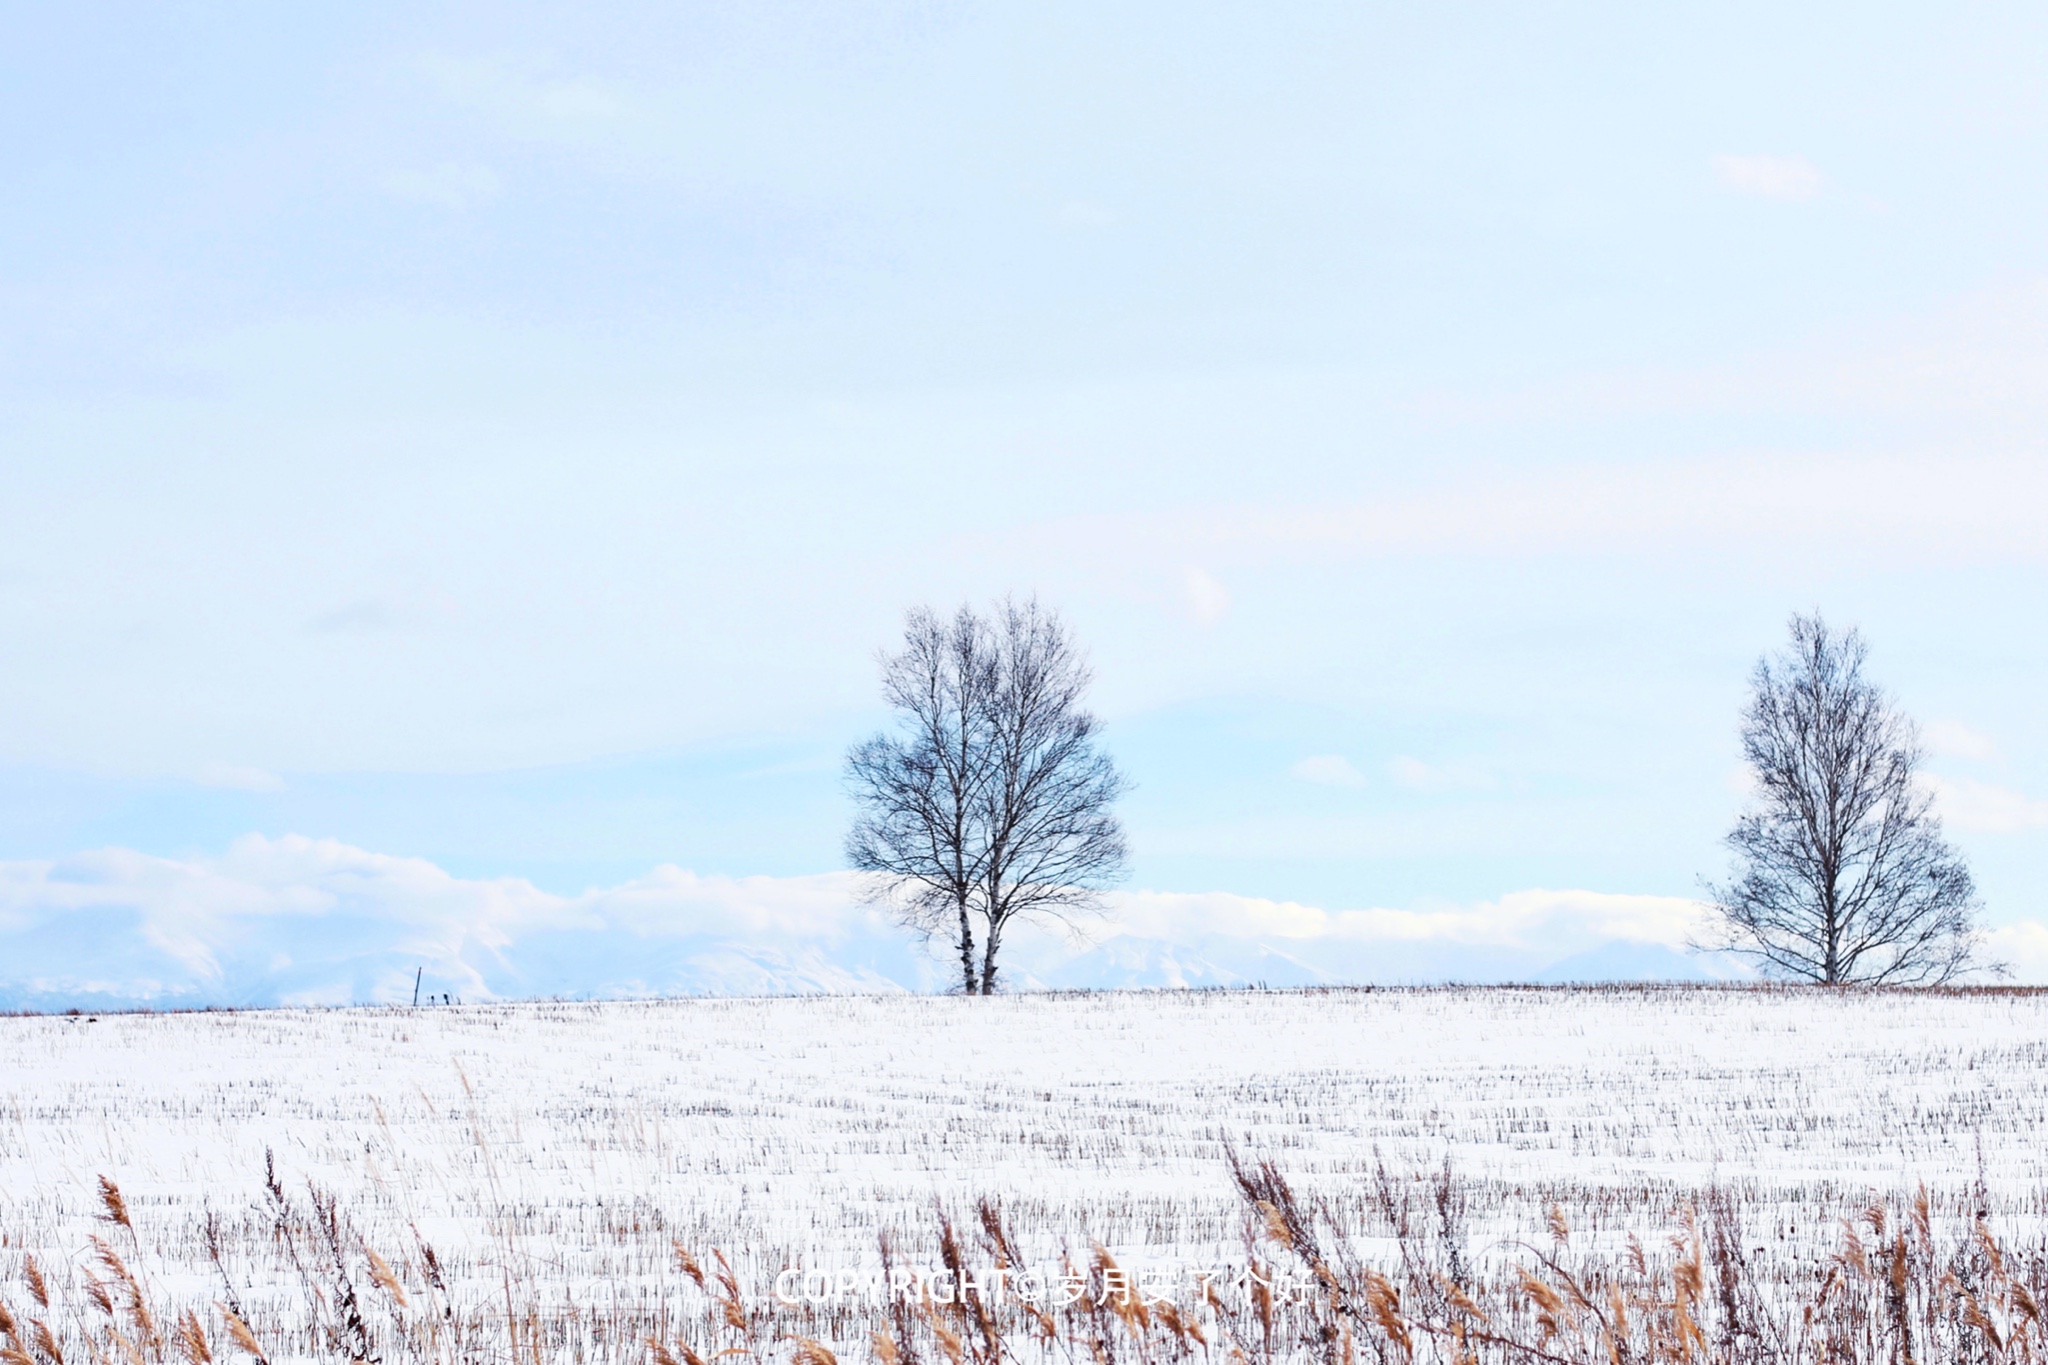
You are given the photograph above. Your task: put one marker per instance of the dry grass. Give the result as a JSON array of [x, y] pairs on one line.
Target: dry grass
[[1314, 1281]]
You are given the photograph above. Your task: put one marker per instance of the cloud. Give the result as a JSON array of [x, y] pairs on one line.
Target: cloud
[[235, 777], [522, 91], [1970, 375], [1418, 776], [1953, 739], [446, 186], [1535, 919], [1207, 598], [315, 921], [385, 611], [1769, 177], [1988, 809], [1165, 937], [2023, 947], [1979, 358], [1083, 213], [353, 618], [1890, 508], [1328, 770]]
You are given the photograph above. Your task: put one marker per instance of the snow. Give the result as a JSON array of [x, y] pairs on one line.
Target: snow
[[771, 1127]]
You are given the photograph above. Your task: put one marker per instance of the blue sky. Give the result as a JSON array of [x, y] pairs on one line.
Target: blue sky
[[501, 436]]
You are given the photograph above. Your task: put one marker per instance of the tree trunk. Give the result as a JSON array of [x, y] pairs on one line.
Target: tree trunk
[[967, 982], [988, 959]]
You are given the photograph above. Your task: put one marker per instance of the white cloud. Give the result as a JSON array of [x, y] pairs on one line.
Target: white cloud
[[1415, 775], [2023, 947], [297, 920], [318, 921], [1207, 598], [1769, 177], [446, 186], [236, 777], [581, 99], [1530, 918], [1953, 739], [1084, 213], [1535, 919], [1740, 780], [1980, 359], [1411, 773], [331, 912], [524, 90], [1328, 770], [351, 618], [1988, 809], [1938, 508]]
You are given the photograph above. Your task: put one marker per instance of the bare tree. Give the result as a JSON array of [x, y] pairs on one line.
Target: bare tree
[[1842, 874], [1053, 842], [920, 792], [993, 801]]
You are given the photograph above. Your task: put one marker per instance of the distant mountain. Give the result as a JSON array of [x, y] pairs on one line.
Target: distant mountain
[[1634, 962], [1131, 963]]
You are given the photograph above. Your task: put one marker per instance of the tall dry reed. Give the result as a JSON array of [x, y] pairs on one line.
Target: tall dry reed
[[1392, 1276]]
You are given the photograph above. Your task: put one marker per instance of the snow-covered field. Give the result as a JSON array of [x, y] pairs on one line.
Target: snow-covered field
[[759, 1122], [588, 1138]]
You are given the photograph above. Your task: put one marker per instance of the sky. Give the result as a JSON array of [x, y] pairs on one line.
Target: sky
[[493, 443]]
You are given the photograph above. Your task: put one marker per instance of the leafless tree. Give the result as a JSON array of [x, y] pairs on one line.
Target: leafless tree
[[992, 802], [1842, 874], [919, 792]]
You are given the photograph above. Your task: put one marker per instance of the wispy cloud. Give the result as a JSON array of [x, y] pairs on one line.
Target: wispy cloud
[[1329, 770], [1418, 776], [237, 777], [383, 611], [1979, 357], [1769, 177], [1083, 213], [1553, 920], [1910, 509], [528, 91], [1953, 739], [447, 186], [353, 618], [2023, 947], [1986, 808], [1974, 371], [1208, 599]]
